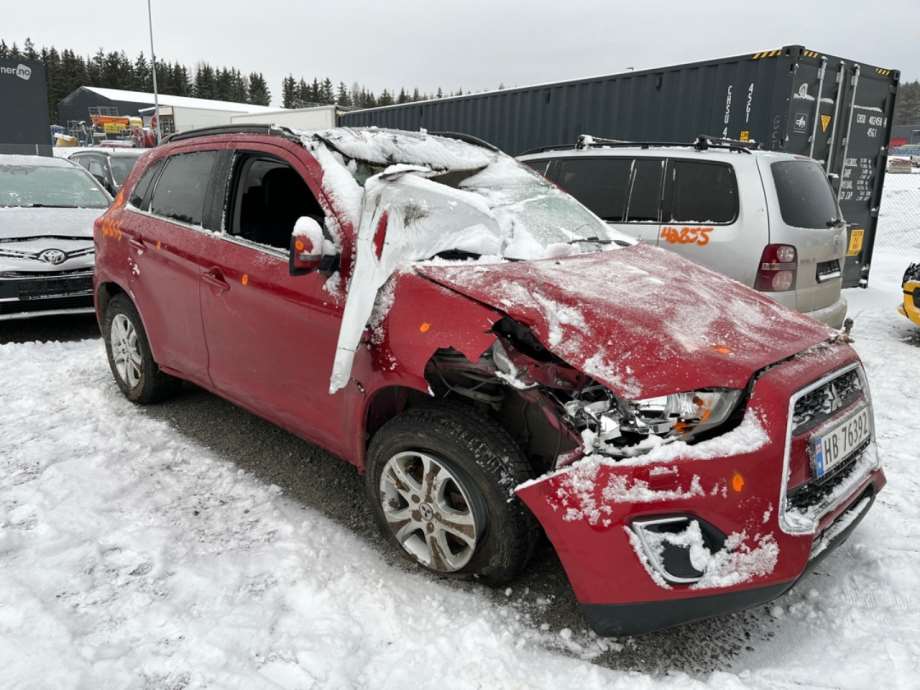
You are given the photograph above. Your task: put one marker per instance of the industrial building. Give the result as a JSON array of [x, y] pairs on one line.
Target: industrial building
[[177, 113]]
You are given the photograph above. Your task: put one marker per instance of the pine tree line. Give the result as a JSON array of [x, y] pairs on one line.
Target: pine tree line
[[907, 105], [66, 71], [298, 93]]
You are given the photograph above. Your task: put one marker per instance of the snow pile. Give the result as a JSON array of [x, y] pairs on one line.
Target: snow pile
[[132, 557], [899, 221], [384, 147]]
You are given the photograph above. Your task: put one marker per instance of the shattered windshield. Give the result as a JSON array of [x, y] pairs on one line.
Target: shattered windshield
[[417, 197], [523, 216]]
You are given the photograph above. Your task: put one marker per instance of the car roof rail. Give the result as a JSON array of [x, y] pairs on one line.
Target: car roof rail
[[707, 141], [543, 149], [263, 129], [701, 143]]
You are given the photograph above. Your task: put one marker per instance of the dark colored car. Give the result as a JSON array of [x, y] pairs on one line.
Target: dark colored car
[[47, 209], [495, 360], [110, 166]]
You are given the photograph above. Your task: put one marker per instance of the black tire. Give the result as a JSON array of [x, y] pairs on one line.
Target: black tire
[[152, 384], [488, 464]]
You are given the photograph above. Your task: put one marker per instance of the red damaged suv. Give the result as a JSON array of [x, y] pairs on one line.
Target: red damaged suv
[[495, 360]]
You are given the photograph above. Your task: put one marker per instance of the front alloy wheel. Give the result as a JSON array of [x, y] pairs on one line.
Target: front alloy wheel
[[428, 511]]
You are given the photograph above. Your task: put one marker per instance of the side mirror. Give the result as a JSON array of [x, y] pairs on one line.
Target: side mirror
[[310, 250]]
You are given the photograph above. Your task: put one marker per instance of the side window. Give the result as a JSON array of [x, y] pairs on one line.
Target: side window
[[598, 183], [268, 198], [699, 192], [540, 165], [182, 187], [82, 160], [96, 167], [645, 197], [139, 195]]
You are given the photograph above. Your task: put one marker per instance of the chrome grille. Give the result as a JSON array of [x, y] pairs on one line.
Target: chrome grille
[[822, 403]]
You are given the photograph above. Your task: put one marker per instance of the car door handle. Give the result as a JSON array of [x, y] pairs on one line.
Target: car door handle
[[215, 279], [137, 243]]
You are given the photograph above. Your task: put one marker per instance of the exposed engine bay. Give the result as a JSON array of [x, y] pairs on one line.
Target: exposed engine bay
[[560, 414]]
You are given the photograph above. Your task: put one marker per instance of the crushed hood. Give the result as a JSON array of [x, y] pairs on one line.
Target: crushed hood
[[640, 320]]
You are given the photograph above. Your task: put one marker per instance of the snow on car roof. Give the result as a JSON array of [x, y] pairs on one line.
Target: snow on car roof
[[34, 161], [392, 147]]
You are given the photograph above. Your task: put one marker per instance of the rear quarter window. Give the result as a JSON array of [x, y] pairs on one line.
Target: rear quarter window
[[701, 192], [804, 194], [182, 187]]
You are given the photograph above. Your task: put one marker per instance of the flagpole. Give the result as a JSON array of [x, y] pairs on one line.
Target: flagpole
[[153, 68]]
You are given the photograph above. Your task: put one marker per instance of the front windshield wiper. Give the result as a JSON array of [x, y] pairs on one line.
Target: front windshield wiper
[[43, 206], [599, 240]]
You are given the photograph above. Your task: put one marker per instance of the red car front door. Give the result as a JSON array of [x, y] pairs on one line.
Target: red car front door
[[271, 337]]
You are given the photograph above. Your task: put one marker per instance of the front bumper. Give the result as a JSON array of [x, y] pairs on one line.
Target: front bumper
[[30, 294], [736, 483]]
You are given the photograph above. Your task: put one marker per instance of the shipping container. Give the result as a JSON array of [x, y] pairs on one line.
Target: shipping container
[[791, 99], [24, 125]]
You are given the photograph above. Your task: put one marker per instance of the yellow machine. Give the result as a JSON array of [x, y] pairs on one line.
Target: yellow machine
[[911, 286]]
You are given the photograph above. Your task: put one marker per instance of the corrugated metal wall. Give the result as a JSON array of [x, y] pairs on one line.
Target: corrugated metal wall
[[776, 97], [674, 103]]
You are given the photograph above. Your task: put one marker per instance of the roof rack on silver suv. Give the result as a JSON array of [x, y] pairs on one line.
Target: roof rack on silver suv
[[701, 143]]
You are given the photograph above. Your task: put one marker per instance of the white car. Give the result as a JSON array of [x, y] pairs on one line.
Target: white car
[[47, 209], [769, 220]]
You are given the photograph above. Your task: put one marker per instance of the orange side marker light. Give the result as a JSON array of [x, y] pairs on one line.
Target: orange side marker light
[[424, 327], [737, 483], [245, 279]]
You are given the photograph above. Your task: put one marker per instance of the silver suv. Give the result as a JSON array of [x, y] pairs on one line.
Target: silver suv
[[769, 220]]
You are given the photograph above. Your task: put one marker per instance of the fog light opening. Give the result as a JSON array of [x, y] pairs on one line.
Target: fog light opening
[[678, 547]]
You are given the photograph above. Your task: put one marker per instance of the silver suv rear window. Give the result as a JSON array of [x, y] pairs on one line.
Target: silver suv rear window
[[805, 196]]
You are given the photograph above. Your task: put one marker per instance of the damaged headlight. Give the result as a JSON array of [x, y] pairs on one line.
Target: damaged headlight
[[613, 426]]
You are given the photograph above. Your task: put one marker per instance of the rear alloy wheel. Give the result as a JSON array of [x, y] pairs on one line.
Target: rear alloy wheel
[[126, 355], [130, 357], [429, 511]]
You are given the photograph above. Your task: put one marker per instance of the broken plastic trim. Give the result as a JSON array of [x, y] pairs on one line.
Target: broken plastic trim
[[670, 545]]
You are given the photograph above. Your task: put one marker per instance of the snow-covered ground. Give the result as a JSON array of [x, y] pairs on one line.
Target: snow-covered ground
[[131, 556]]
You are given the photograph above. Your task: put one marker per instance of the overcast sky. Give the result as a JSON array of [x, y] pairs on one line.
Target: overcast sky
[[474, 44]]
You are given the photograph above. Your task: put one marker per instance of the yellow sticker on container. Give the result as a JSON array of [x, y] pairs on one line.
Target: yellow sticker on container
[[856, 241], [825, 121], [745, 135]]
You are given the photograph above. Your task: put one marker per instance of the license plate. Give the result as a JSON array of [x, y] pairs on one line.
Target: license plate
[[856, 241], [836, 445]]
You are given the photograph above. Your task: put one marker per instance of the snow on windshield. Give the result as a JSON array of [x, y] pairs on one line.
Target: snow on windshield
[[428, 197]]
